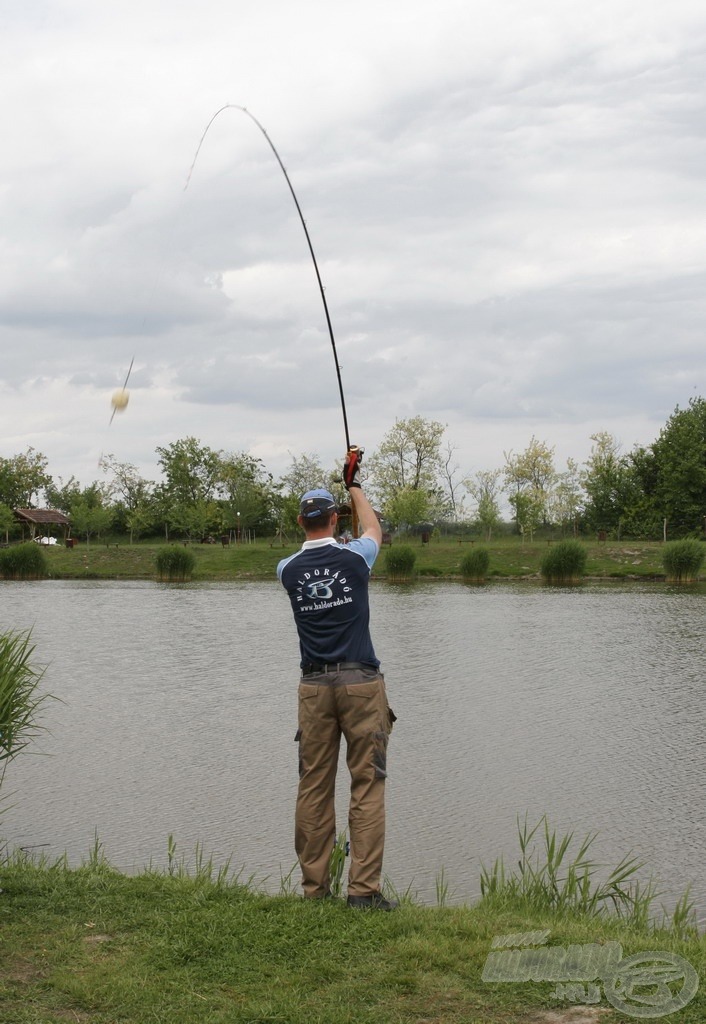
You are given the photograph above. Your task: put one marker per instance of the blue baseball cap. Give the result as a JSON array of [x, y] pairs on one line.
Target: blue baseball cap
[[316, 503]]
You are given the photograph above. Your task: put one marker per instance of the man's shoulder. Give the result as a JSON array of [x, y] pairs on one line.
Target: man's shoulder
[[365, 546]]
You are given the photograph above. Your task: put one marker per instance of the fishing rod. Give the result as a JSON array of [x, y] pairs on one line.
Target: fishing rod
[[353, 451], [234, 106]]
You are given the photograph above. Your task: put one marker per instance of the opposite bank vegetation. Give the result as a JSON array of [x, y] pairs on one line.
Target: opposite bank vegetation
[[507, 558]]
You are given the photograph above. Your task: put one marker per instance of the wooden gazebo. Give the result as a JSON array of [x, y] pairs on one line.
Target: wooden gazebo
[[42, 518]]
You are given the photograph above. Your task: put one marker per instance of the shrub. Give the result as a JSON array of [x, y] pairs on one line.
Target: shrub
[[564, 562], [474, 564], [399, 562], [23, 562], [682, 560], [175, 564]]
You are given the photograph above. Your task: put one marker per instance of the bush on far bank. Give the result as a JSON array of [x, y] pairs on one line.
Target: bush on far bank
[[682, 560], [23, 562]]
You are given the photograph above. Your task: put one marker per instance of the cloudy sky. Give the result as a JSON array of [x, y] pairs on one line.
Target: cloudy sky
[[506, 202]]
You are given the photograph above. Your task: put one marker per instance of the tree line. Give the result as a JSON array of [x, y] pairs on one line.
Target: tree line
[[413, 478]]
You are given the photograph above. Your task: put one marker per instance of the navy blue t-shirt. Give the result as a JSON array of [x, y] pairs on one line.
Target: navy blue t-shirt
[[327, 585]]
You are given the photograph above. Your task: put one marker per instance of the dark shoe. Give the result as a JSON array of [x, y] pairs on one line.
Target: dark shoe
[[372, 901]]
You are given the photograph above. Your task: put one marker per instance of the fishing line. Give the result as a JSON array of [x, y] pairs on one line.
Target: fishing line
[[233, 106]]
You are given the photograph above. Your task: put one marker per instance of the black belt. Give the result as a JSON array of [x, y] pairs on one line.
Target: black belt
[[341, 666]]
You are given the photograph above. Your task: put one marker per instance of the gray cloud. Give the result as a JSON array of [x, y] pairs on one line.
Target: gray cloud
[[506, 205]]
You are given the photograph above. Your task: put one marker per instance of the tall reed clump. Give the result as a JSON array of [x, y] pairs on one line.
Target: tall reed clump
[[19, 700], [399, 562], [175, 564], [23, 562], [682, 560], [474, 565], [564, 562], [559, 880]]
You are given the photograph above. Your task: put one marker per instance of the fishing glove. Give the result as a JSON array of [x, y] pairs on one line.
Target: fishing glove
[[351, 466]]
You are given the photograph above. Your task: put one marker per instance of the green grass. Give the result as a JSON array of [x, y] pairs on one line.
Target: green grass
[[93, 945], [509, 559]]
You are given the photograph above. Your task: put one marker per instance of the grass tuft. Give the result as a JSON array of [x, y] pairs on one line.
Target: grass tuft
[[682, 560], [399, 562], [175, 564], [23, 562], [564, 562], [475, 564], [564, 882]]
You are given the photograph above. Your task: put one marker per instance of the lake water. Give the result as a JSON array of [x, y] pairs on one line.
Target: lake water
[[178, 714]]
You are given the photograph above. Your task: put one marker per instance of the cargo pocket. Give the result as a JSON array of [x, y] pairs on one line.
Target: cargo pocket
[[391, 719], [380, 754]]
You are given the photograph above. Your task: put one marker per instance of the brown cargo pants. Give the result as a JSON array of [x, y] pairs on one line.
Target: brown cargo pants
[[352, 702]]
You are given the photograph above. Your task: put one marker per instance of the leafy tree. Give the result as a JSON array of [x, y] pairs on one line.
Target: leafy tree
[[22, 478], [608, 481], [64, 496], [452, 484], [640, 516], [679, 455], [89, 508], [410, 458], [248, 492], [7, 520], [88, 518], [135, 495], [408, 508], [192, 470], [193, 477], [529, 507], [485, 488], [564, 502], [531, 473], [304, 474], [196, 519]]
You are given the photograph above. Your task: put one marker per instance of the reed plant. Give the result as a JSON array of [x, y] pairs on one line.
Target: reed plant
[[564, 562], [557, 880], [337, 863], [475, 564], [399, 562], [23, 562], [175, 564], [19, 697], [682, 560]]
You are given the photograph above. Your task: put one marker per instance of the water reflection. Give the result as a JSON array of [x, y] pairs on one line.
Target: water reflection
[[180, 703]]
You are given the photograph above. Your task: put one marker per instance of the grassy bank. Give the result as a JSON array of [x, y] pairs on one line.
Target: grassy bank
[[509, 559], [92, 945]]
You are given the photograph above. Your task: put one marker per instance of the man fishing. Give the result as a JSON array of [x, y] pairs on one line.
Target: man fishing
[[341, 691]]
